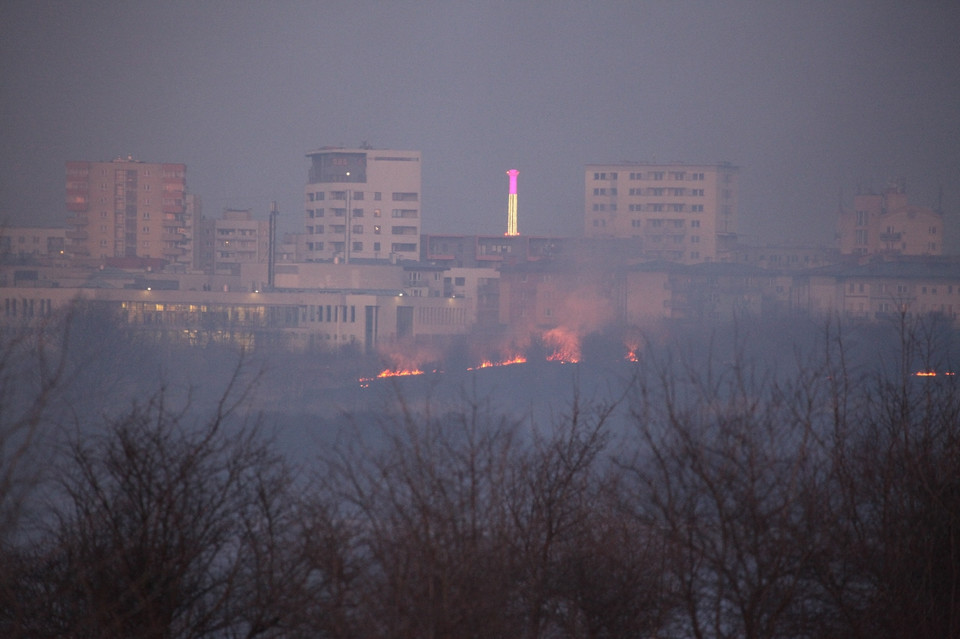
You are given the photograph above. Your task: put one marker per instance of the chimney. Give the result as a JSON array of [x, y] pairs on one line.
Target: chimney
[[512, 203]]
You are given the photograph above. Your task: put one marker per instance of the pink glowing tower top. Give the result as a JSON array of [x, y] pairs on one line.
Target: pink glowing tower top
[[513, 173]]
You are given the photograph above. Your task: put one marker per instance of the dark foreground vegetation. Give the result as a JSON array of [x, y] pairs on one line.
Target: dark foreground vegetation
[[717, 496]]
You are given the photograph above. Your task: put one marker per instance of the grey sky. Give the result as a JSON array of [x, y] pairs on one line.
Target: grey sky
[[809, 98]]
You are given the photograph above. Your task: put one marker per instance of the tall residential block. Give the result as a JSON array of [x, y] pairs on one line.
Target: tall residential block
[[886, 223], [679, 212], [238, 239], [362, 204], [128, 209]]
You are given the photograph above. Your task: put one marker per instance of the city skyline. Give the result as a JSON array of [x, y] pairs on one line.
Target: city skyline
[[812, 101]]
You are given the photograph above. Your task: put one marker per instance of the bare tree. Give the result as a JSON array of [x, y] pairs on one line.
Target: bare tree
[[890, 558], [32, 371], [426, 506], [722, 465], [165, 528]]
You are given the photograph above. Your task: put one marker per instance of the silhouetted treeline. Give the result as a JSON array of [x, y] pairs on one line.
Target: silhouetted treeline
[[718, 496]]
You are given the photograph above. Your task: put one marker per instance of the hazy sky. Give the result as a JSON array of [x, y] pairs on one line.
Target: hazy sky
[[811, 99]]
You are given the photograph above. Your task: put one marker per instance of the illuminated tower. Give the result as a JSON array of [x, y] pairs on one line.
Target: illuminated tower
[[512, 203]]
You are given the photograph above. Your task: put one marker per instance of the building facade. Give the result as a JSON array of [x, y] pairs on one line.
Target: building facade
[[886, 223], [679, 212], [362, 204], [32, 242], [128, 209], [239, 239]]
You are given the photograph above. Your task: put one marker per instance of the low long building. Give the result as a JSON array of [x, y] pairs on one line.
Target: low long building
[[317, 319]]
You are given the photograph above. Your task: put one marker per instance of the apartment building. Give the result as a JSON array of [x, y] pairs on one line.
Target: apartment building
[[885, 223], [128, 209], [239, 239], [362, 204], [32, 242], [679, 212]]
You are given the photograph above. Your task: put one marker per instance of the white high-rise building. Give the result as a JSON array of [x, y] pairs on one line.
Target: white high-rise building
[[362, 204], [679, 212]]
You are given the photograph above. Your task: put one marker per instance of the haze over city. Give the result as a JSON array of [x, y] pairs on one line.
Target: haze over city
[[812, 100]]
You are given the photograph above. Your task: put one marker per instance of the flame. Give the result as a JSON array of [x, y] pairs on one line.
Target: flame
[[400, 372], [932, 373], [565, 344], [516, 359]]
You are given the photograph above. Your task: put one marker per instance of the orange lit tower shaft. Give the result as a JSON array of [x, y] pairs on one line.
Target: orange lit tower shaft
[[512, 203]]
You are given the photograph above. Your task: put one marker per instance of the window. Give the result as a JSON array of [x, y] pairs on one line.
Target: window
[[861, 218], [358, 195], [376, 229], [376, 196], [405, 197], [459, 281], [376, 212], [358, 229], [358, 246], [695, 224], [697, 208], [376, 246]]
